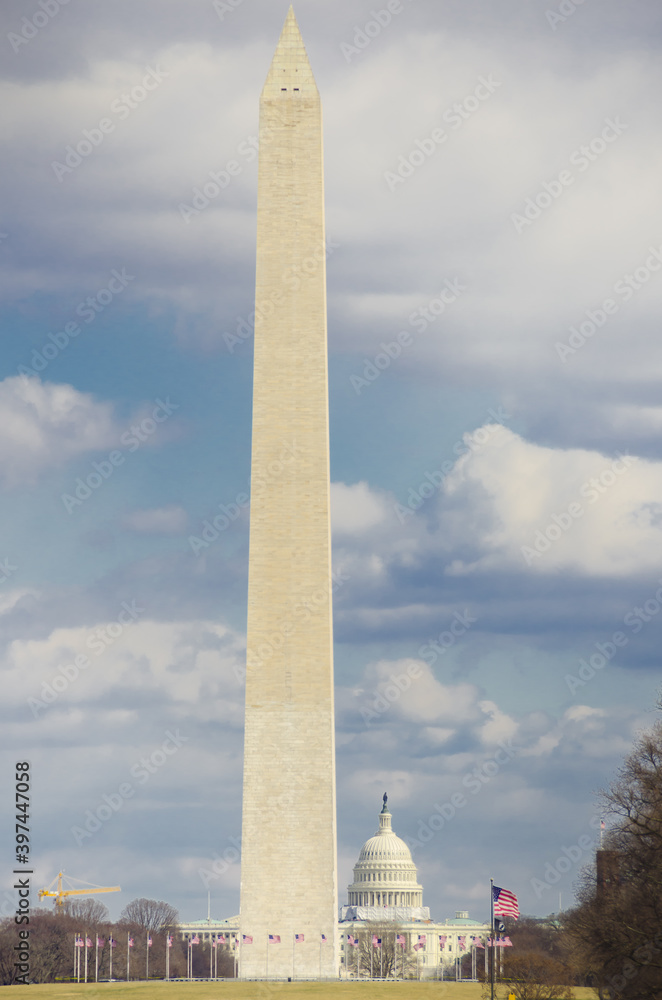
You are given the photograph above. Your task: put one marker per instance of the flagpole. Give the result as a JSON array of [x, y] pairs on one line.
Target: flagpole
[[266, 976], [96, 961], [167, 944], [85, 939], [110, 945], [492, 932]]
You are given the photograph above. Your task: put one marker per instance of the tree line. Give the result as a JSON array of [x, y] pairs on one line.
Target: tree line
[[53, 951]]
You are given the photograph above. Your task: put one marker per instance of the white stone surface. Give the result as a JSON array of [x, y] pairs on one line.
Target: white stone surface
[[288, 865]]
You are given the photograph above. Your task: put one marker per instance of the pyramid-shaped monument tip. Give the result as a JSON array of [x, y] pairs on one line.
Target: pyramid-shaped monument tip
[[290, 75]]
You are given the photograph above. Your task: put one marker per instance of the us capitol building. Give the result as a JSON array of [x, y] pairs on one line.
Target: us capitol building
[[385, 897]]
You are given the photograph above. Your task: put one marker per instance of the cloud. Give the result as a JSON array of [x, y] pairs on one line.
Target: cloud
[[156, 521], [44, 426]]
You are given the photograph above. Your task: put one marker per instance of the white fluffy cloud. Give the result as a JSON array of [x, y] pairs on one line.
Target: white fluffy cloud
[[43, 425], [548, 509]]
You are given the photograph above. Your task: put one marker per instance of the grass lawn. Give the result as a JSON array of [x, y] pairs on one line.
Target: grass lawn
[[259, 991]]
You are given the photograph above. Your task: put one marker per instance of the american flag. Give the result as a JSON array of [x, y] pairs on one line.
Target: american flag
[[324, 939], [100, 942], [274, 939], [351, 940], [112, 942], [507, 943], [602, 824], [170, 940], [195, 939], [130, 942], [298, 938], [478, 943], [247, 938], [79, 942], [376, 942], [88, 942], [149, 940], [442, 940], [505, 902], [421, 942], [400, 939], [221, 939], [462, 942]]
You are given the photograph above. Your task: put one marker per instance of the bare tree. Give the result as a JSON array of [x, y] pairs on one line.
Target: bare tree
[[150, 914], [386, 960], [532, 976], [615, 929], [88, 912]]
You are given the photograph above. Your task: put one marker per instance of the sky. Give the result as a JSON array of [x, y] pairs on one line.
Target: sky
[[494, 266]]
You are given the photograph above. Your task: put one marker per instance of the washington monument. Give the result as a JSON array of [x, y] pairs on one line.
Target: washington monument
[[288, 910]]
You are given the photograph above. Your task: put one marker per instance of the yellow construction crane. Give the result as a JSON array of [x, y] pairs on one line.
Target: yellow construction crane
[[61, 892]]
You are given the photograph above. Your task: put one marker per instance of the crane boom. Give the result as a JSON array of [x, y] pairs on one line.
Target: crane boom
[[59, 893]]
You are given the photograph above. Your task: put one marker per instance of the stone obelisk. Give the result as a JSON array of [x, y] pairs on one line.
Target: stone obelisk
[[288, 857]]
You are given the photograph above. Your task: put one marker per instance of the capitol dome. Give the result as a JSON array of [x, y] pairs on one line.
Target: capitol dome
[[385, 874]]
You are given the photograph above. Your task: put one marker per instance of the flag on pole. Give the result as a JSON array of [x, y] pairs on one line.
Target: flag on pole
[[298, 938], [420, 943], [130, 942], [351, 940], [100, 942], [376, 941], [442, 940], [88, 942], [221, 938], [507, 943], [170, 940], [505, 902], [274, 939], [112, 942], [462, 943], [324, 939], [478, 943], [247, 938], [79, 942], [400, 939], [195, 939], [149, 940]]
